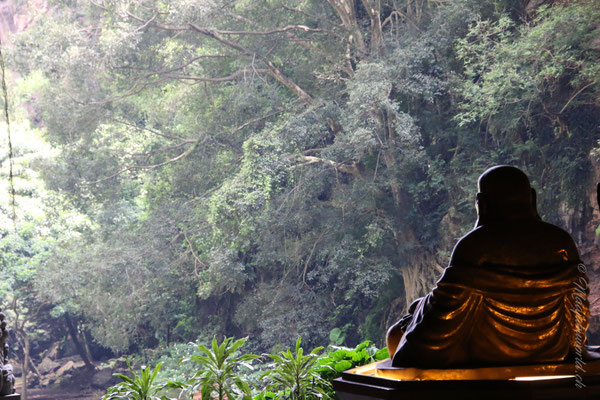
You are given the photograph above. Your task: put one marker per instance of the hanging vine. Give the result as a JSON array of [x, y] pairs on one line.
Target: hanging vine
[[10, 148]]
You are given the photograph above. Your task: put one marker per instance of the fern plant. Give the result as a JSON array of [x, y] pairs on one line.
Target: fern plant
[[218, 377], [137, 387], [298, 374]]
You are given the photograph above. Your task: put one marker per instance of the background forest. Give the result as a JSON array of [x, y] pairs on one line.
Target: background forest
[[275, 168]]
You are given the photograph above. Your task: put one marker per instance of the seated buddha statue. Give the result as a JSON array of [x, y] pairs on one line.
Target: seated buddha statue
[[514, 292]]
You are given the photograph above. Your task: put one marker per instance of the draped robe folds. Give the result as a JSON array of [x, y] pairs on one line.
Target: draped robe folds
[[497, 315]]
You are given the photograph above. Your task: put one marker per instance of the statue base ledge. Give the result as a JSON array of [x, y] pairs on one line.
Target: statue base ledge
[[541, 381], [14, 396], [384, 369]]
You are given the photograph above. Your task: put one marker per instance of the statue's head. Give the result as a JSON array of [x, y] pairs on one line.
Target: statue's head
[[504, 194]]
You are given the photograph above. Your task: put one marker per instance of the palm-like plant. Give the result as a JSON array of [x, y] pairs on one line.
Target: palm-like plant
[[218, 374], [298, 373], [136, 387]]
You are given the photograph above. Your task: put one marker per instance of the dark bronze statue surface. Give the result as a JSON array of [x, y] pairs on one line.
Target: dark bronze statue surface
[[514, 292]]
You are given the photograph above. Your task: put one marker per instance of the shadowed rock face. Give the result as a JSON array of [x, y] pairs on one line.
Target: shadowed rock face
[[514, 292], [18, 16]]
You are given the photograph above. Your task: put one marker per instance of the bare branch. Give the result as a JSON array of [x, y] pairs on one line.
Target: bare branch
[[213, 34], [194, 143], [308, 160], [151, 166], [151, 21], [142, 27], [100, 6], [155, 24], [288, 28], [159, 151], [312, 251], [143, 128], [296, 10], [139, 85], [233, 77], [196, 58], [347, 68], [136, 88], [253, 121], [577, 93], [397, 13], [194, 255], [273, 70]]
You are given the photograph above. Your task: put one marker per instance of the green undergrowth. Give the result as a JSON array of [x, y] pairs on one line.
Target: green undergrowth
[[222, 371]]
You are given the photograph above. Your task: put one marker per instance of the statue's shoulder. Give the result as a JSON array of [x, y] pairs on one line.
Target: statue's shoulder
[[558, 239], [531, 242], [468, 249], [559, 232]]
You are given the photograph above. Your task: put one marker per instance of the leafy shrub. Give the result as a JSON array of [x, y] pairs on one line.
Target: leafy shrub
[[136, 387], [170, 357], [225, 374], [297, 374], [341, 359], [218, 374]]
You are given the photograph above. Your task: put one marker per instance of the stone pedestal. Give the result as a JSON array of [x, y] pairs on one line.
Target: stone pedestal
[[380, 381]]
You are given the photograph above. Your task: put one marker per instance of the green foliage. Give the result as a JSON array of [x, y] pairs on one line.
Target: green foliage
[[218, 374], [266, 395], [532, 85], [278, 182], [336, 336], [170, 358], [512, 70], [136, 387], [340, 359], [289, 375], [297, 373]]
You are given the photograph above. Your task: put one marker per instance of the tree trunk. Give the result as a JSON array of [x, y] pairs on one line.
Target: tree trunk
[[373, 8], [25, 365], [78, 346], [86, 345], [419, 276], [346, 10]]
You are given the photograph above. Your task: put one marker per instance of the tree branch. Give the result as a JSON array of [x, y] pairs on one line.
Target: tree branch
[[215, 35], [150, 166], [136, 88], [308, 160], [373, 8], [312, 251], [156, 24], [347, 13], [143, 128], [194, 144], [235, 76], [285, 29], [273, 70], [577, 93], [304, 43]]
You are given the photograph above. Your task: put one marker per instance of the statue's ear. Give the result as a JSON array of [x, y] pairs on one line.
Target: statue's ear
[[534, 203], [481, 206]]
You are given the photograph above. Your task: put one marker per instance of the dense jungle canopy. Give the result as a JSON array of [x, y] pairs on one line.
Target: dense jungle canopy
[[276, 168]]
